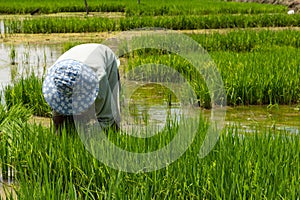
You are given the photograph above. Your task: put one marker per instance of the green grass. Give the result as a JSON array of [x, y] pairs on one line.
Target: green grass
[[257, 68], [146, 8], [27, 91], [189, 22], [247, 40], [266, 75], [262, 165]]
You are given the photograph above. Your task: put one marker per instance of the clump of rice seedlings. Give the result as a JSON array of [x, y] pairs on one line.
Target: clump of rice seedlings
[[28, 92], [247, 40], [11, 119], [241, 165], [265, 76], [99, 24], [132, 8]]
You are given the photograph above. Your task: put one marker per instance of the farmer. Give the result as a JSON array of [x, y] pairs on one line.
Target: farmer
[[83, 76]]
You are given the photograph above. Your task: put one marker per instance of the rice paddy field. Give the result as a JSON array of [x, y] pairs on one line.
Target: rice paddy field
[[255, 48]]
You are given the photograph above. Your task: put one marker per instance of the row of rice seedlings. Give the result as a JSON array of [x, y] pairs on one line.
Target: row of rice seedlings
[[259, 77], [262, 165], [131, 8], [210, 22], [97, 24], [247, 40], [234, 41], [60, 25], [28, 92], [171, 8], [27, 7]]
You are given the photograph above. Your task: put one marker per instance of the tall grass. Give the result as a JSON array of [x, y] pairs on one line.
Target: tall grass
[[27, 91], [265, 76], [99, 24], [146, 8], [11, 120], [262, 165], [256, 68], [247, 40]]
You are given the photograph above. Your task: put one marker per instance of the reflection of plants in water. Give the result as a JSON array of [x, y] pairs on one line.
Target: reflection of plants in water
[[145, 115], [133, 111], [271, 108], [147, 96], [140, 114], [26, 58], [13, 72], [13, 55]]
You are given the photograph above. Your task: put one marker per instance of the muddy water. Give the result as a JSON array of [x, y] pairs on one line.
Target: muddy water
[[149, 107], [22, 59]]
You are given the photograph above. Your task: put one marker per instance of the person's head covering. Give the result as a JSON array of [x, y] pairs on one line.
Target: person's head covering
[[70, 87]]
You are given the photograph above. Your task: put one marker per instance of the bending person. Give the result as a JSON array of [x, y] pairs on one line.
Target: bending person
[[86, 74]]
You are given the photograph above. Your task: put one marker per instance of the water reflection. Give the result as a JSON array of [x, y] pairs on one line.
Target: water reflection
[[2, 31], [148, 109], [276, 118], [19, 60]]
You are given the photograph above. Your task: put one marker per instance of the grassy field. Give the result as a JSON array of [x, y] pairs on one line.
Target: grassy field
[[261, 165], [145, 8], [258, 67], [189, 22]]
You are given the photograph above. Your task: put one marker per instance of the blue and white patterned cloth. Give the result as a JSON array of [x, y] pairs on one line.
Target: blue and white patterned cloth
[[70, 87]]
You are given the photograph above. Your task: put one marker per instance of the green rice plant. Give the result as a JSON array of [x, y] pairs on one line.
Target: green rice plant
[[10, 120], [69, 45], [210, 22], [265, 76], [145, 8], [55, 6], [247, 40], [263, 164], [28, 92], [98, 24], [168, 8]]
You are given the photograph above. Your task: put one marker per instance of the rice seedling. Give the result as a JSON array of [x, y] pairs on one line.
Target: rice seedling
[[28, 92], [256, 67], [247, 40], [10, 119], [98, 24], [263, 164], [131, 8], [258, 77]]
